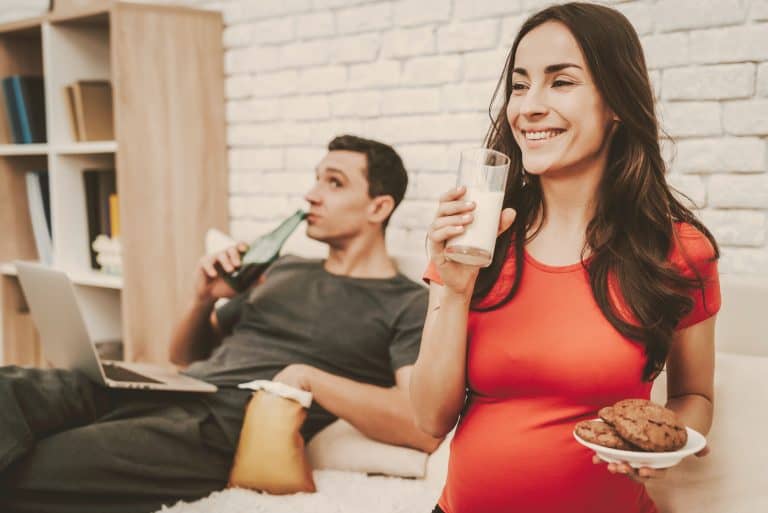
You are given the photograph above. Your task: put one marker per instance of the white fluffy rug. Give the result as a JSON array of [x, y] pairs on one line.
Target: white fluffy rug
[[337, 492]]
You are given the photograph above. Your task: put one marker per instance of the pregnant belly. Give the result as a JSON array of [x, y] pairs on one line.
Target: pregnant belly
[[507, 458]]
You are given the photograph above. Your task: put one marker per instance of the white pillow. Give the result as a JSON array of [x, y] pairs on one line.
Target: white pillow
[[341, 446]]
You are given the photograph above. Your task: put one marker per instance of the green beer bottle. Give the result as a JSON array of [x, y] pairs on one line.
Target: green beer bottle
[[261, 253]]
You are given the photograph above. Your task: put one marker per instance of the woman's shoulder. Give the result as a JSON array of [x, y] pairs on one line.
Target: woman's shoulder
[[690, 247], [695, 256]]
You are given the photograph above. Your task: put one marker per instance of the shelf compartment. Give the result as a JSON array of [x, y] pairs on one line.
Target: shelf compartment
[[17, 241], [73, 51], [21, 53], [68, 204]]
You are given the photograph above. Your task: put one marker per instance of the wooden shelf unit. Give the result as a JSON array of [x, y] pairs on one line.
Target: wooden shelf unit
[[165, 64]]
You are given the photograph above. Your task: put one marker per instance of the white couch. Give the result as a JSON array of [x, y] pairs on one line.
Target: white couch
[[733, 478]]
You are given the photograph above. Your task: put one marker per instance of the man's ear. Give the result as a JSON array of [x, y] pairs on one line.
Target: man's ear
[[381, 207]]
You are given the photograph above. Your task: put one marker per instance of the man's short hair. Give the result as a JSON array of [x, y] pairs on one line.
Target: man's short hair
[[385, 172]]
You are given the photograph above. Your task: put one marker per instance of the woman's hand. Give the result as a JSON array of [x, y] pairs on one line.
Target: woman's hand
[[453, 216], [642, 474]]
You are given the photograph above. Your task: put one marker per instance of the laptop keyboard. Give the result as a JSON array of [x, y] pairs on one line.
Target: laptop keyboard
[[116, 373]]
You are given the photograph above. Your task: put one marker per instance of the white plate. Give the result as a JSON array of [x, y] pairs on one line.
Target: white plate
[[637, 459]]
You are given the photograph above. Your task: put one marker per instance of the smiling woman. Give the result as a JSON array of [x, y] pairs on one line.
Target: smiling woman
[[558, 99], [600, 277]]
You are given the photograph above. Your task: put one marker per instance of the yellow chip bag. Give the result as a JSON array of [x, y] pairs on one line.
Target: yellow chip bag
[[270, 454]]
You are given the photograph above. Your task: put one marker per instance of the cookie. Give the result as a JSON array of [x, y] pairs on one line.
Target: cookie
[[607, 414], [600, 433], [648, 425]]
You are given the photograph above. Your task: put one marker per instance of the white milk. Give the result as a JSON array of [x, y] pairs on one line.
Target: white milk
[[475, 245]]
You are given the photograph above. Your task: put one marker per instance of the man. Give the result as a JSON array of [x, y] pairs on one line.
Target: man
[[347, 328]]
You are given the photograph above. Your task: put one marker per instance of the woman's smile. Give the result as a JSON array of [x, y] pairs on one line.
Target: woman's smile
[[538, 138]]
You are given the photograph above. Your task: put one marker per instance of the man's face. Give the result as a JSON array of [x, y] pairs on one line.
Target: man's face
[[339, 204]]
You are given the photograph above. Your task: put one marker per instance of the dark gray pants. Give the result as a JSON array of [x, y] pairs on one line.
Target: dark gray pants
[[68, 445]]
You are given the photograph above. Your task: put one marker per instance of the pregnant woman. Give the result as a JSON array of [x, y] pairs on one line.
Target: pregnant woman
[[600, 279]]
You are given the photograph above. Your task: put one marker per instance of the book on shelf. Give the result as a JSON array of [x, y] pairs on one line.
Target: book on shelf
[[100, 185], [37, 200], [25, 108], [114, 216], [45, 189], [12, 111], [90, 110]]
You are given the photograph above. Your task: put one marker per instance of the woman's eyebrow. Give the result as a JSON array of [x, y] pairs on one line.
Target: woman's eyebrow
[[552, 68]]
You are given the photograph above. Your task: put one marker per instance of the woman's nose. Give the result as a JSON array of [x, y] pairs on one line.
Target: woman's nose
[[533, 103]]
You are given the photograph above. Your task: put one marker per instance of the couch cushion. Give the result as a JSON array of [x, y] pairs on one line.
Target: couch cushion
[[733, 478], [412, 266], [341, 446], [743, 307]]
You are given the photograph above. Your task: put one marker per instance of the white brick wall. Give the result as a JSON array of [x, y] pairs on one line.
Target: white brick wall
[[420, 73]]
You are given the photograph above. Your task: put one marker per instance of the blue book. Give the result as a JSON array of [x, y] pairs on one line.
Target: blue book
[[11, 110], [18, 95], [28, 106]]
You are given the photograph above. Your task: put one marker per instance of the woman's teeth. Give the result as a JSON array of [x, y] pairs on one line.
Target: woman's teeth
[[537, 136]]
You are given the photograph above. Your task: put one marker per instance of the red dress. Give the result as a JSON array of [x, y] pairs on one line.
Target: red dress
[[537, 366]]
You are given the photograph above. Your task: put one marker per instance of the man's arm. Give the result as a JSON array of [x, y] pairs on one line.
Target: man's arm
[[198, 334], [383, 414]]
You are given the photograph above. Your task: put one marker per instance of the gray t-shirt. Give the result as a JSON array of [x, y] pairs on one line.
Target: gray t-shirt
[[359, 328]]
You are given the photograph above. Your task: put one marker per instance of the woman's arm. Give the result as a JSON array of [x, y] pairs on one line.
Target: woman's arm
[[438, 380], [691, 375]]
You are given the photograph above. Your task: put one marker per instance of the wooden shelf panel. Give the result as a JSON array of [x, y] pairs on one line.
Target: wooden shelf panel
[[22, 27], [77, 148], [93, 15], [10, 150], [96, 279], [86, 278], [85, 147]]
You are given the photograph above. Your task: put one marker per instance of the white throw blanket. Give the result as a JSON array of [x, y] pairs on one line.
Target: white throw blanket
[[337, 492]]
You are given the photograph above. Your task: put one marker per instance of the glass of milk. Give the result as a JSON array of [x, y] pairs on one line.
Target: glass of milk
[[484, 173]]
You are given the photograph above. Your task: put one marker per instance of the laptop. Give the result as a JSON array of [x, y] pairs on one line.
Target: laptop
[[67, 345]]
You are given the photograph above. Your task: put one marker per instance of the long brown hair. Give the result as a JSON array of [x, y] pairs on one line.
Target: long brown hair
[[632, 231]]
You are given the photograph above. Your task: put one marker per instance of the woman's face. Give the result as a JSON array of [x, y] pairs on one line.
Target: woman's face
[[557, 115]]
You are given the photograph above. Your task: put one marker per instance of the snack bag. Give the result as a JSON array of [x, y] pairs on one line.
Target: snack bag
[[270, 454]]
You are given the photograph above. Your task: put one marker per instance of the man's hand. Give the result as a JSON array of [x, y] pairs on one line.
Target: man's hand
[[209, 285], [296, 375]]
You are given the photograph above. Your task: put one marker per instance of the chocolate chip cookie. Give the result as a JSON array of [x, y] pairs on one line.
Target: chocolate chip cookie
[[648, 425], [607, 414], [603, 434]]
